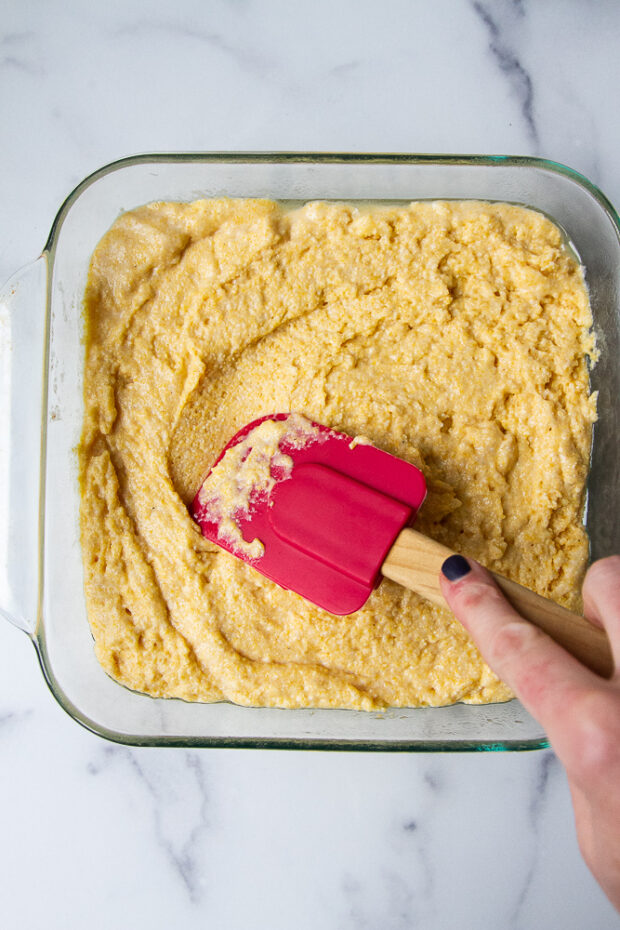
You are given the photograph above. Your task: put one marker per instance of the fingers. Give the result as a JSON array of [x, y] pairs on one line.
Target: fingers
[[601, 599], [542, 674]]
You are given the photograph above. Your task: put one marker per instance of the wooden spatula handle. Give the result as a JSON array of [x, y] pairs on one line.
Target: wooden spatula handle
[[415, 561]]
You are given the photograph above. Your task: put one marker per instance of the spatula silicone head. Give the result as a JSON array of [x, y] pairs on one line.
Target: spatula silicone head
[[308, 507]]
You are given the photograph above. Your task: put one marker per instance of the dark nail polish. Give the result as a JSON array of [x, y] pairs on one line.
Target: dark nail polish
[[455, 567]]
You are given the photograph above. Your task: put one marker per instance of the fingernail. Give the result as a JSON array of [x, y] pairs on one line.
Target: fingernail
[[455, 567]]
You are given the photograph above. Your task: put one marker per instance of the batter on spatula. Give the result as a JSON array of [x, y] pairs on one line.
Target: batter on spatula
[[452, 335]]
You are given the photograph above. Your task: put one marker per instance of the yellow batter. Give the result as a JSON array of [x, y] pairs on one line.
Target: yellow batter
[[246, 471], [454, 335]]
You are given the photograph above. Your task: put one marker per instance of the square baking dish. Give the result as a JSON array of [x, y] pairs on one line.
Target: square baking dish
[[41, 370]]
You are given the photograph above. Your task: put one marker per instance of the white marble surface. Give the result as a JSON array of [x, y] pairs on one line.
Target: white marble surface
[[96, 835]]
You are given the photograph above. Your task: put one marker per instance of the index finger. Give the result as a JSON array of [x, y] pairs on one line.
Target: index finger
[[601, 599], [541, 673]]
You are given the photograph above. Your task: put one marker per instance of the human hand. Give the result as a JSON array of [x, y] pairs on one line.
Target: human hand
[[579, 711]]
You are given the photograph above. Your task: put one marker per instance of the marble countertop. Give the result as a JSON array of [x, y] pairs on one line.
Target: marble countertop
[[98, 835]]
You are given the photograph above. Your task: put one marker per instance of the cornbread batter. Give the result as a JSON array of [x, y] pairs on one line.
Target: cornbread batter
[[453, 335], [246, 471]]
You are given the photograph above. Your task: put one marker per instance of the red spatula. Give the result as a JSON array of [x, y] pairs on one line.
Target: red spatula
[[328, 516]]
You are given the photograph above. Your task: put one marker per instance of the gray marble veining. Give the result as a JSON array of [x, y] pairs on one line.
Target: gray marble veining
[[179, 802], [502, 21], [245, 57], [547, 768]]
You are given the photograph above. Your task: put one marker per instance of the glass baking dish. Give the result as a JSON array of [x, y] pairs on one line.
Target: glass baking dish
[[41, 371]]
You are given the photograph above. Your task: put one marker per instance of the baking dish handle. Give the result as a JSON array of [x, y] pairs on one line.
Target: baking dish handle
[[22, 335]]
